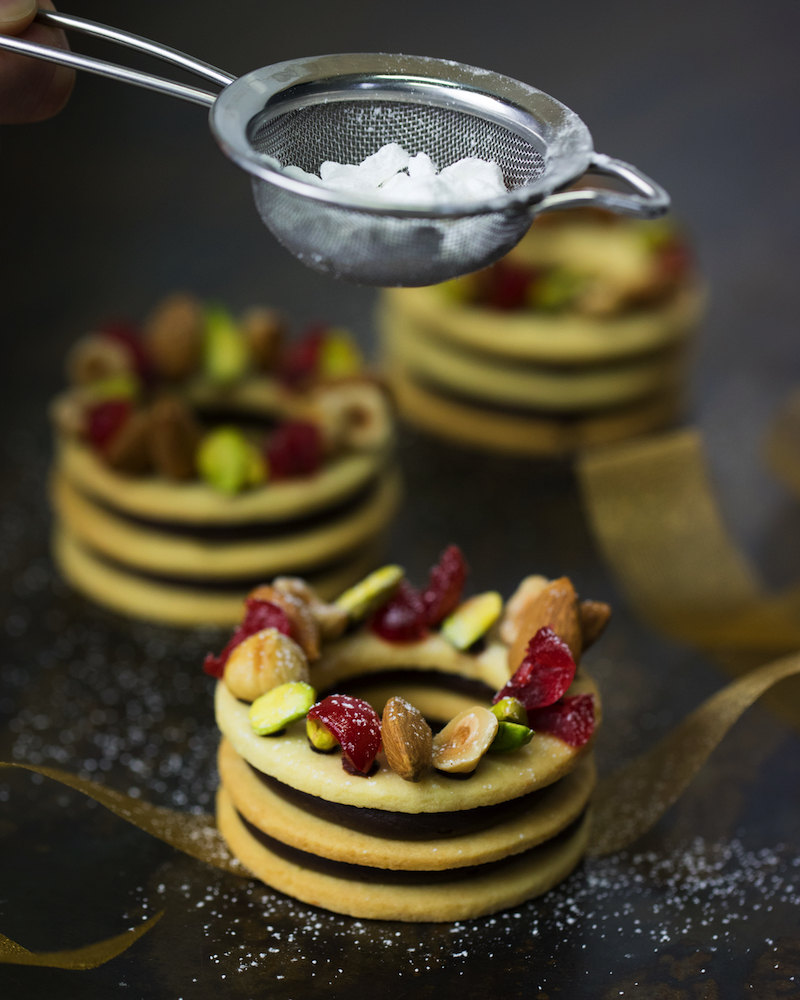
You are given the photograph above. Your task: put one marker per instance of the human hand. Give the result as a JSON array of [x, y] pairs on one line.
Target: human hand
[[30, 89]]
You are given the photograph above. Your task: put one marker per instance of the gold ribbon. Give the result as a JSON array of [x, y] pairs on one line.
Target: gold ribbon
[[652, 508], [626, 805]]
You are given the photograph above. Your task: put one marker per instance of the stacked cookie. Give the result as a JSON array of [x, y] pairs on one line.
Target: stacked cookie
[[383, 825], [577, 337], [207, 452]]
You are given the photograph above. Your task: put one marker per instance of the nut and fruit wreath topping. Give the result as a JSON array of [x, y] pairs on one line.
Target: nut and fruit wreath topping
[[145, 400], [542, 629]]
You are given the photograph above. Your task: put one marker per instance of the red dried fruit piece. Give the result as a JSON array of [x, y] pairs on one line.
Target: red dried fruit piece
[[355, 725], [301, 360], [507, 286], [295, 449], [674, 259], [259, 615], [544, 674], [128, 336], [570, 719], [445, 584], [105, 420], [403, 617]]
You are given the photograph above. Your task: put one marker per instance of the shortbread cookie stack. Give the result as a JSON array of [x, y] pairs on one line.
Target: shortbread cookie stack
[[333, 788], [206, 453], [577, 337]]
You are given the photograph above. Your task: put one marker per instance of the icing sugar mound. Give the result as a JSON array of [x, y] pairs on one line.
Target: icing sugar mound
[[393, 175]]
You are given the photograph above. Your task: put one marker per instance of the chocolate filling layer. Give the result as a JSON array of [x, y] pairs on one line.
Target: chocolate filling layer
[[251, 530], [239, 584], [400, 825], [390, 876]]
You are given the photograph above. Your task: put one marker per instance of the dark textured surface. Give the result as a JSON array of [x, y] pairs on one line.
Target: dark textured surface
[[123, 197]]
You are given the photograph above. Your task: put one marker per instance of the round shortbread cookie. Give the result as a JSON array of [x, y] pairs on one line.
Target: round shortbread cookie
[[512, 382], [138, 597], [196, 502], [499, 777], [460, 899], [564, 339], [518, 434], [158, 551], [555, 808]]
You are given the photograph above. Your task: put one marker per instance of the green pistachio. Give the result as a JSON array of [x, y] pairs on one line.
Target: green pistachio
[[225, 354], [229, 462], [339, 355], [125, 385], [281, 706], [472, 619], [556, 289], [370, 593], [511, 710], [320, 737], [510, 736]]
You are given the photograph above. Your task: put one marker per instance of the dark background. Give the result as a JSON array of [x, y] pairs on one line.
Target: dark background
[[123, 197]]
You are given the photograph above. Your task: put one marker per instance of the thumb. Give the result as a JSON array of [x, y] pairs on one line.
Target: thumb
[[16, 15]]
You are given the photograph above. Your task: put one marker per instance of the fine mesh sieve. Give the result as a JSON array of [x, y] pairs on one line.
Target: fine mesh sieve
[[346, 107]]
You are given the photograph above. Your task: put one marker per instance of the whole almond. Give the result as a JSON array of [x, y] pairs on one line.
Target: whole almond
[[555, 606], [305, 630], [594, 616], [174, 440], [130, 450], [407, 739], [517, 606]]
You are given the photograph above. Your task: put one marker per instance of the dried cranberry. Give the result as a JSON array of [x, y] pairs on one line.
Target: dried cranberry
[[570, 719], [301, 360], [295, 449], [355, 725], [545, 673], [403, 617], [507, 286], [674, 259], [258, 615], [106, 420], [446, 581], [128, 336]]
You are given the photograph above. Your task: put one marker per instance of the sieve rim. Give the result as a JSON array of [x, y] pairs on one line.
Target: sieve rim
[[566, 141]]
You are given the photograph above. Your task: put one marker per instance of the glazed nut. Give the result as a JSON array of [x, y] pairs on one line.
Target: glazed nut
[[407, 739], [472, 619], [263, 661], [556, 607], [332, 621], [305, 630], [517, 604], [371, 593], [264, 332], [95, 357], [464, 740], [173, 334], [280, 707], [175, 436]]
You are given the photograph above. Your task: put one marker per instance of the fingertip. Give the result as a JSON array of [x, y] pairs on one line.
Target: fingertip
[[16, 15]]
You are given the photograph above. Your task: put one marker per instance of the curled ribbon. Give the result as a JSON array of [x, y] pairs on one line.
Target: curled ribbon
[[626, 805]]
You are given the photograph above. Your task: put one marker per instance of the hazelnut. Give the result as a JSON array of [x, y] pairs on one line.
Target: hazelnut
[[173, 335], [332, 620], [305, 630], [174, 439], [353, 415], [95, 357], [264, 331], [129, 451], [263, 661]]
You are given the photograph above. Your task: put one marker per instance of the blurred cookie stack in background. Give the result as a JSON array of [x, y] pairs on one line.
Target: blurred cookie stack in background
[[206, 452], [577, 337]]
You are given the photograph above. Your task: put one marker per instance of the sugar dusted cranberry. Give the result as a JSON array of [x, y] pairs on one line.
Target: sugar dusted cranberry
[[445, 584], [258, 615], [301, 360], [295, 449], [355, 725], [545, 673], [570, 719], [403, 618], [128, 336], [105, 420]]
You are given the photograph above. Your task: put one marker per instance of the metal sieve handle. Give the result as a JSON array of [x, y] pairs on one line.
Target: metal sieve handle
[[649, 201], [123, 73]]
